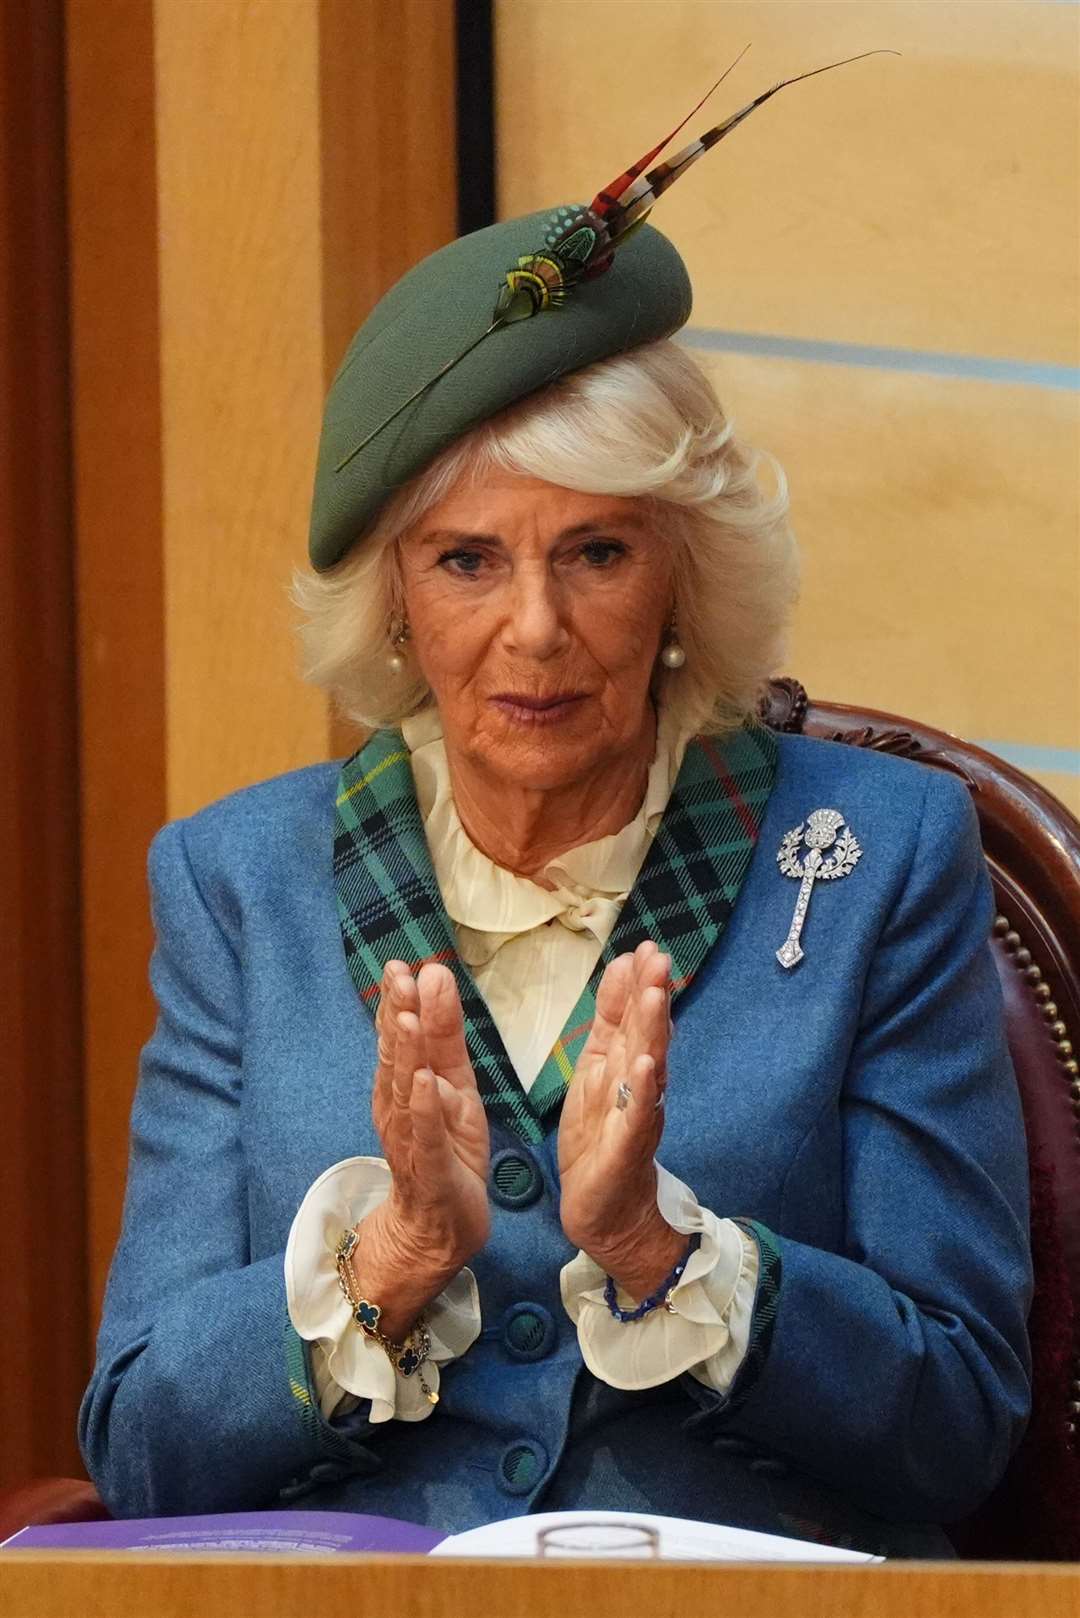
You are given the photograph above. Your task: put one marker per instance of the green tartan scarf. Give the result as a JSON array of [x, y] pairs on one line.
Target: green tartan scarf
[[391, 909]]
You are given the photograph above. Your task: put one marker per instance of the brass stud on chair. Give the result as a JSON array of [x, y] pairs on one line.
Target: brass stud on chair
[[1040, 990]]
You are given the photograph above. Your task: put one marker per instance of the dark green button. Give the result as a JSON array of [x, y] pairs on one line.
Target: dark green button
[[515, 1180], [522, 1465], [528, 1331]]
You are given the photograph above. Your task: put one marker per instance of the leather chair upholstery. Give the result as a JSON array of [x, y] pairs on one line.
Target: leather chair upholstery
[[1032, 847], [48, 1500]]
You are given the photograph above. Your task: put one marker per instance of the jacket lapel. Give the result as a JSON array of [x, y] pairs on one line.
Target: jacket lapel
[[688, 885], [390, 907]]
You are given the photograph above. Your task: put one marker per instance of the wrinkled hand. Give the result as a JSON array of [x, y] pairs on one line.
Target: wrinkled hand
[[434, 1134], [606, 1153]]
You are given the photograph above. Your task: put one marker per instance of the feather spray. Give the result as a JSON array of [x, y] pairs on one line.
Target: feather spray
[[580, 243]]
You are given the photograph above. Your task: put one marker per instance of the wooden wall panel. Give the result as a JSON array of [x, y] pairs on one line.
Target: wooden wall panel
[[42, 1234], [388, 159], [933, 522], [117, 462], [241, 383], [925, 201]]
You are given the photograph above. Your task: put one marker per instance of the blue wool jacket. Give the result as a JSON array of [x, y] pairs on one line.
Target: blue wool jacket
[[861, 1107]]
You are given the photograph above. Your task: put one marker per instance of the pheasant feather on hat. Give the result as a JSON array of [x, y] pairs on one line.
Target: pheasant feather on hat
[[580, 243]]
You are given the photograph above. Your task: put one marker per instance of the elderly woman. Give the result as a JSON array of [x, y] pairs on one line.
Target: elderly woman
[[529, 1124]]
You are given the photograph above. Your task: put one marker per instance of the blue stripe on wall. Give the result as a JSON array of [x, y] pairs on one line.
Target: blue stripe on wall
[[1065, 760], [967, 367]]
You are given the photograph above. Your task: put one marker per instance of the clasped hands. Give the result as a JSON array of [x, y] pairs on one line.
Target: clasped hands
[[434, 1134]]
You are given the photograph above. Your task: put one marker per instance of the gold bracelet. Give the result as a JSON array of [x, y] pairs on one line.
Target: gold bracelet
[[409, 1357]]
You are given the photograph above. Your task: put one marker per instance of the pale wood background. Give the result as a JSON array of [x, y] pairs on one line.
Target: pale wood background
[[242, 368], [926, 202]]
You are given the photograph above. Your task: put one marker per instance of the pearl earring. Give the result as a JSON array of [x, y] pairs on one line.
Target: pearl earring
[[399, 634], [673, 656]]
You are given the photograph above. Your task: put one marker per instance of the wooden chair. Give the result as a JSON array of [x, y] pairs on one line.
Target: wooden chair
[[1032, 847]]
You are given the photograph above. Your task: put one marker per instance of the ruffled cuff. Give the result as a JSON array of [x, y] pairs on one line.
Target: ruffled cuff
[[713, 1305], [344, 1359]]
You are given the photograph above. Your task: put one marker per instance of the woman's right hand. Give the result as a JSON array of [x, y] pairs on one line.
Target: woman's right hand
[[434, 1133]]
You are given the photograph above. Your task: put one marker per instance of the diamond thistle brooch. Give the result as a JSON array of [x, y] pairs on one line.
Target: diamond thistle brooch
[[823, 829]]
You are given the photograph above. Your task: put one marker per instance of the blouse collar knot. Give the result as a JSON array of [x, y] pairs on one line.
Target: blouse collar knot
[[488, 904]]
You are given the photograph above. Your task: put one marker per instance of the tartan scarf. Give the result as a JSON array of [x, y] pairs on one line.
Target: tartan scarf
[[390, 907]]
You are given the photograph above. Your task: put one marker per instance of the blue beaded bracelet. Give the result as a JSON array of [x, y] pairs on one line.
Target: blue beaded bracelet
[[660, 1296]]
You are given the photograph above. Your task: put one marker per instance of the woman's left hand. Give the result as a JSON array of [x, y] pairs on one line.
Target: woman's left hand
[[606, 1152]]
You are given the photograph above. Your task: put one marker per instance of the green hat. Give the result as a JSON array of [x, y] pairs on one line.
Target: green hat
[[455, 341], [432, 315]]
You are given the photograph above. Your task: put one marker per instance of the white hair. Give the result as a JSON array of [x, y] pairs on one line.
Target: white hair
[[646, 423]]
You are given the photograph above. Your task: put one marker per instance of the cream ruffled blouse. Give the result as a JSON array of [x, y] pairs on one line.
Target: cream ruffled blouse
[[531, 950]]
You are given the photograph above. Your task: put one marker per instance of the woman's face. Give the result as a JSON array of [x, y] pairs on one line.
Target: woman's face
[[536, 617]]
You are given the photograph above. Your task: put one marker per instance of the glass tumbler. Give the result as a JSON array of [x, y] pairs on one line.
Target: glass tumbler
[[599, 1539]]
